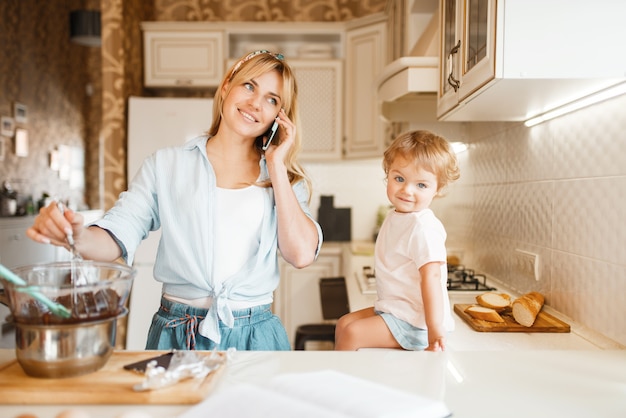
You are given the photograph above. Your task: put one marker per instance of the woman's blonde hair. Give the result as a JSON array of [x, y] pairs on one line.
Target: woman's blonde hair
[[249, 67], [427, 150]]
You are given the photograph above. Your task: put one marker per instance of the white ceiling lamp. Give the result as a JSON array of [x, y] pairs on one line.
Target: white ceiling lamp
[[85, 27], [589, 100]]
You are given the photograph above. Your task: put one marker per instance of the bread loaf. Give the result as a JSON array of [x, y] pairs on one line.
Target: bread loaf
[[486, 314], [493, 300], [527, 307]]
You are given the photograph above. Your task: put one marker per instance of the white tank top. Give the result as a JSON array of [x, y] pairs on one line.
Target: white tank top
[[237, 238], [238, 230]]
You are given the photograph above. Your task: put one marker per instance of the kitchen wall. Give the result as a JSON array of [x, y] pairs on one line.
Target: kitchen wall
[[43, 70], [556, 190], [357, 184]]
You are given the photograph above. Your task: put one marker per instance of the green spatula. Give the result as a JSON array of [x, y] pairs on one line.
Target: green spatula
[[55, 308]]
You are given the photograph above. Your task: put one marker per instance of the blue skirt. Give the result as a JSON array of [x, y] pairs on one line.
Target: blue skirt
[[175, 326]]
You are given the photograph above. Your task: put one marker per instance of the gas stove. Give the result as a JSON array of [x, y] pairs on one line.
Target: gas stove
[[459, 279], [463, 279]]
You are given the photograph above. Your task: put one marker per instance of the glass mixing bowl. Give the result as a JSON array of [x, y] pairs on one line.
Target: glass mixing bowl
[[49, 345]]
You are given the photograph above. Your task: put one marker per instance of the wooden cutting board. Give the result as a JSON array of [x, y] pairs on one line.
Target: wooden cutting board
[[111, 385], [544, 322]]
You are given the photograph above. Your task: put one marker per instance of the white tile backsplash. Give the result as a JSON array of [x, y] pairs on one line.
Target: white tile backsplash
[[557, 189], [589, 218]]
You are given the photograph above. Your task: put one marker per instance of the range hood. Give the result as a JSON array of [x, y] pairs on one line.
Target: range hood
[[408, 86], [407, 89], [408, 76]]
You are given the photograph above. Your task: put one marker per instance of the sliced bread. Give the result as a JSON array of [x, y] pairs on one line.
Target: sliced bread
[[486, 314], [493, 300]]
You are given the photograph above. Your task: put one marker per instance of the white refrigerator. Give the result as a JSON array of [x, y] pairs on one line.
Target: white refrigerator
[[155, 123]]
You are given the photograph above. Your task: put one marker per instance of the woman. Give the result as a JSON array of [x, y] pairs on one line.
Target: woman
[[224, 207]]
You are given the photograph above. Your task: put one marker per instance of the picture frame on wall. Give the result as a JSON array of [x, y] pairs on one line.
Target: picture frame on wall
[[8, 126], [21, 142], [20, 113]]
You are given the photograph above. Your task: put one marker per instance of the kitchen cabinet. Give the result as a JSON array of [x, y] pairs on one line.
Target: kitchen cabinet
[[320, 83], [365, 60], [467, 58], [510, 60], [297, 299], [180, 55], [336, 64], [16, 249]]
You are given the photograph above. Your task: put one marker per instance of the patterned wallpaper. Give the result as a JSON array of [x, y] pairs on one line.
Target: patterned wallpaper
[[266, 10], [45, 71], [122, 74], [42, 69]]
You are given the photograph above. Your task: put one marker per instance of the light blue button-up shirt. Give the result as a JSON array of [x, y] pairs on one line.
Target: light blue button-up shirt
[[175, 190]]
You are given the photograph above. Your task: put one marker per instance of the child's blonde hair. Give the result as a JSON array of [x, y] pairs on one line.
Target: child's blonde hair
[[427, 150]]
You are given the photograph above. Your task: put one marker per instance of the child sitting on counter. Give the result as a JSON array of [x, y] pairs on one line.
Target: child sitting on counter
[[412, 311]]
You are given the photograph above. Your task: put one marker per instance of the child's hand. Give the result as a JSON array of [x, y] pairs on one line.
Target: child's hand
[[439, 344]]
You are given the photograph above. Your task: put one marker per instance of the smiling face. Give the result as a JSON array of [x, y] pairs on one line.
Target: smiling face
[[410, 188], [251, 106]]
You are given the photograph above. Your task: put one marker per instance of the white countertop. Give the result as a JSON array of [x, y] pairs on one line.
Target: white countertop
[[519, 383], [466, 338], [481, 374]]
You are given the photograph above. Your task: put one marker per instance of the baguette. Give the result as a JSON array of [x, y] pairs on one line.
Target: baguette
[[527, 307], [486, 314], [493, 300]]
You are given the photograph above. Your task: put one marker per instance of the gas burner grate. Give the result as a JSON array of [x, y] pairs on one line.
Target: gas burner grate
[[460, 278]]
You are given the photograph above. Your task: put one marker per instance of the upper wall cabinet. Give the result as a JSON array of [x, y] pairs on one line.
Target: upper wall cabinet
[[320, 83], [365, 60], [178, 55], [510, 60], [335, 63]]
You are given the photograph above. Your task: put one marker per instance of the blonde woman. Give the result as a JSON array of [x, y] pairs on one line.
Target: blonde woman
[[225, 202]]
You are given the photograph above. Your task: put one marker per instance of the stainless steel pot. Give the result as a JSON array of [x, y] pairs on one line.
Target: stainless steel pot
[[56, 351], [49, 345]]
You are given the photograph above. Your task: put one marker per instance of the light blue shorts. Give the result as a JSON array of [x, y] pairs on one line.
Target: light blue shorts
[[175, 326], [408, 336]]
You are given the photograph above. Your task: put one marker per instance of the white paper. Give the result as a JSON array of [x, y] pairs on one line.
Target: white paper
[[327, 394]]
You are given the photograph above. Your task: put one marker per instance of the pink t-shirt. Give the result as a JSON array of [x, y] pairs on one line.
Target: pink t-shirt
[[406, 242]]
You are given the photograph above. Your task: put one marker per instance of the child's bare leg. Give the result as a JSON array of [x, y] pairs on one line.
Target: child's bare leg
[[347, 319], [362, 329]]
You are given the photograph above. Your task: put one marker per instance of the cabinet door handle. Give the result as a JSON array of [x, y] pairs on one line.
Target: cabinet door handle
[[451, 80]]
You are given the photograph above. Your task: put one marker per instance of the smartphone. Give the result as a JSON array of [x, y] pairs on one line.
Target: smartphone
[[270, 134], [140, 366]]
